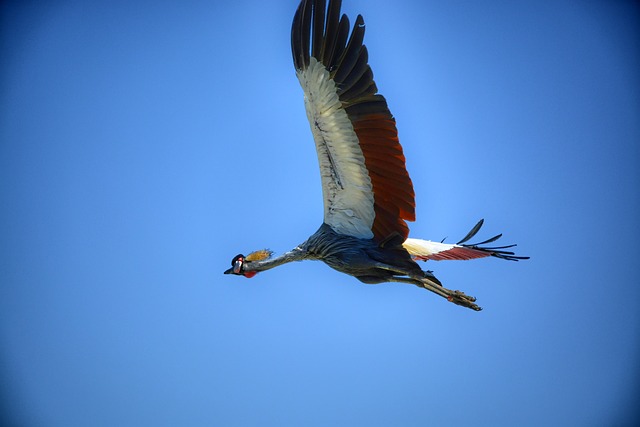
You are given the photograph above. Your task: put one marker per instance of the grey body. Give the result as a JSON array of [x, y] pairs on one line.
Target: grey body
[[364, 259]]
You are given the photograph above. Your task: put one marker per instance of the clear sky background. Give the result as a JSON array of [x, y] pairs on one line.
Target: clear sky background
[[144, 144]]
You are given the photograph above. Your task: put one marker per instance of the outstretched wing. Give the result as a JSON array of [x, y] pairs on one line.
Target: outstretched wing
[[367, 190]]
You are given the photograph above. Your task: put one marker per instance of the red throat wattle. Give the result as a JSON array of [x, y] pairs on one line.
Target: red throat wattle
[[250, 274]]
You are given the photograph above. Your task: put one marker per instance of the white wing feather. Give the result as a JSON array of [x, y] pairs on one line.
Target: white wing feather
[[346, 186], [423, 250]]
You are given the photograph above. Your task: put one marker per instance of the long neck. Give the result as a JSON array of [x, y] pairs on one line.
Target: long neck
[[296, 254]]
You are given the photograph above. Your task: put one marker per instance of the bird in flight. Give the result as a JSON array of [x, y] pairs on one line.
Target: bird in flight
[[368, 195]]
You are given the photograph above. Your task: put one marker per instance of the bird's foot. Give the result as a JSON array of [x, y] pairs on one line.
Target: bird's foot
[[460, 298]]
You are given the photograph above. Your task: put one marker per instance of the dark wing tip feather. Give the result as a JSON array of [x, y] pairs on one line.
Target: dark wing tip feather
[[318, 28], [331, 28], [351, 54], [495, 251], [295, 38], [299, 52], [339, 44]]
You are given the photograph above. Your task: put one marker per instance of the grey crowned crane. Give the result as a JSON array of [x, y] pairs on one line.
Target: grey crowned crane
[[368, 195]]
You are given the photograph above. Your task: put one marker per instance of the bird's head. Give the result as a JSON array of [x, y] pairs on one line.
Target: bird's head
[[239, 262]]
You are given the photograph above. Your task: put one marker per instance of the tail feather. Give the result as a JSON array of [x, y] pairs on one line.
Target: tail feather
[[473, 232], [423, 250]]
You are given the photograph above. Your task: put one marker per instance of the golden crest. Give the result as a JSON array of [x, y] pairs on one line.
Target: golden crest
[[259, 255]]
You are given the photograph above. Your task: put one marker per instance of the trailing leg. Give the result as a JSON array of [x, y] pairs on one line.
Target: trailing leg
[[456, 297]]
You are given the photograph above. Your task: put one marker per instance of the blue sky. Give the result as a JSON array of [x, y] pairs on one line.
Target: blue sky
[[144, 144]]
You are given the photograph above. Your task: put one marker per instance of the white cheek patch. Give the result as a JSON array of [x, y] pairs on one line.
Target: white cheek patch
[[237, 266]]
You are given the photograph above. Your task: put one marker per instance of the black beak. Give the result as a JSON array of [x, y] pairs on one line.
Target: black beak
[[229, 271]]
